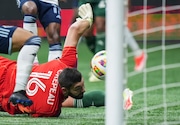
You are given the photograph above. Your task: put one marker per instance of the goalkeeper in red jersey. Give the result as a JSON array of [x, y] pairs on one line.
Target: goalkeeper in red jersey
[[52, 82]]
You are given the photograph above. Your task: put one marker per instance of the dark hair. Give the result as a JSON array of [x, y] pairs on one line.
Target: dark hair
[[68, 77]]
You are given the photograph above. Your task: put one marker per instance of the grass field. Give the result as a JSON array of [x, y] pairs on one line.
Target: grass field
[[96, 116]]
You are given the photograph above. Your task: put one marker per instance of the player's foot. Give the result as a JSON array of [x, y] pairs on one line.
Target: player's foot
[[20, 98], [93, 78], [140, 61], [127, 95]]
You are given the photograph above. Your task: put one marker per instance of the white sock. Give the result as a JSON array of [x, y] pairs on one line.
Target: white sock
[[31, 25], [24, 63], [54, 54], [132, 42], [55, 51]]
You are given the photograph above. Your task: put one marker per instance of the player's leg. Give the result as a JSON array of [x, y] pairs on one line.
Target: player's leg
[[139, 55], [99, 13], [75, 4], [24, 63], [29, 10], [28, 45], [53, 36], [49, 16], [100, 33], [90, 39]]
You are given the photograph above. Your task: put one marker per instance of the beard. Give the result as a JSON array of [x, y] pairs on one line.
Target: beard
[[80, 96]]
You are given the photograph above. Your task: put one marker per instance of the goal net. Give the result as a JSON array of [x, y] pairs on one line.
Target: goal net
[[156, 90]]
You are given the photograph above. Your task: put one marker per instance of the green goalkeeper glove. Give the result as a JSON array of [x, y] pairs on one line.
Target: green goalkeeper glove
[[85, 13]]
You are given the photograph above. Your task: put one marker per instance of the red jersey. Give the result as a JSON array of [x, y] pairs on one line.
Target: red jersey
[[42, 88]]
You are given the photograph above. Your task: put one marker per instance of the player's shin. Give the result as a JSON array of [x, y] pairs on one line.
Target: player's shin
[[24, 66]]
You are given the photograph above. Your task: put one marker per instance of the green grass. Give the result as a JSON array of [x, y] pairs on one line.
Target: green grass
[[96, 116]]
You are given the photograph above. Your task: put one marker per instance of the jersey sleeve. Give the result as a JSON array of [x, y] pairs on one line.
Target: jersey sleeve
[[69, 57]]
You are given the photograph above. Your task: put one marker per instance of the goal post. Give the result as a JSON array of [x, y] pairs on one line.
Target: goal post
[[114, 69]]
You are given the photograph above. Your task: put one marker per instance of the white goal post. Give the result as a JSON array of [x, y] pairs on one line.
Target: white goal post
[[114, 69]]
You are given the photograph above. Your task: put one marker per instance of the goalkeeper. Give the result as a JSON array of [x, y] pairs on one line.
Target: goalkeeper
[[49, 83]]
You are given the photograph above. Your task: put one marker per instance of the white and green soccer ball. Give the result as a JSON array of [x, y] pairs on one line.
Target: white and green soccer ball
[[98, 64]]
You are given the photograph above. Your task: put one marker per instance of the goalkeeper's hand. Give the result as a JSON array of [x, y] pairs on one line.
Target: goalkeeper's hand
[[85, 13]]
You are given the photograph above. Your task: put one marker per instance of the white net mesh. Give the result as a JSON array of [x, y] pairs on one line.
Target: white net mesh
[[156, 89]]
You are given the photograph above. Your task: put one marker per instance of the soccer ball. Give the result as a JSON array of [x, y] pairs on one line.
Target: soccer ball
[[98, 64]]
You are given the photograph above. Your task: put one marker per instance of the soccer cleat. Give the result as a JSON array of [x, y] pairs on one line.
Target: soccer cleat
[[140, 61], [93, 78], [127, 95], [20, 98]]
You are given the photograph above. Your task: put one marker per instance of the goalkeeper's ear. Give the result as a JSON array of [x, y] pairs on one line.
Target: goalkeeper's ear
[[85, 13]]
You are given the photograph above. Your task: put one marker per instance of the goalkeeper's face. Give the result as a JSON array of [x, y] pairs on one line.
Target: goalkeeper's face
[[77, 90]]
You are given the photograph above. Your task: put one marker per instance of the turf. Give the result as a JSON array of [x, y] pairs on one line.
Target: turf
[[96, 116]]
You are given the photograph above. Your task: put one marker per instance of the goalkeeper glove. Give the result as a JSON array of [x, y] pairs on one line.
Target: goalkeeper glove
[[85, 13]]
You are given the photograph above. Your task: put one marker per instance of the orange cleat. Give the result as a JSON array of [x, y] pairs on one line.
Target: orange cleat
[[140, 62]]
